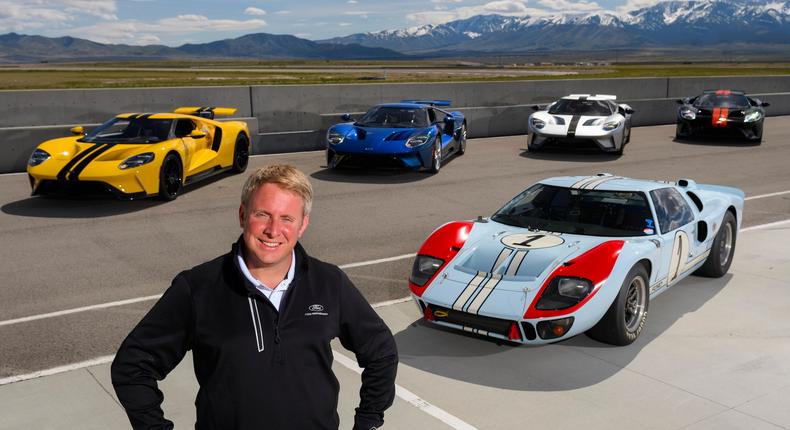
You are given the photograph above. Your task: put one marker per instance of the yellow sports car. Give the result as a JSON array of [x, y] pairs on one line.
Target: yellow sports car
[[141, 155]]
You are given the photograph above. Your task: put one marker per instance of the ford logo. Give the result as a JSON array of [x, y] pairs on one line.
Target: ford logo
[[316, 308]]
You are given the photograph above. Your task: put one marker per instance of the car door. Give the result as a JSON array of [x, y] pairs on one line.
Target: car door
[[438, 117], [194, 148], [676, 228]]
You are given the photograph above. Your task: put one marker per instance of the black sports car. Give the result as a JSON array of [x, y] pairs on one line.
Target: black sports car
[[721, 112]]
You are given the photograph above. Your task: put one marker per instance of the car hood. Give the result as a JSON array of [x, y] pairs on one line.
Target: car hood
[[519, 256], [376, 134]]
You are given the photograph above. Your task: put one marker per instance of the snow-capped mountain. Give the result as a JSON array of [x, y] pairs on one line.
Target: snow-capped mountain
[[669, 23]]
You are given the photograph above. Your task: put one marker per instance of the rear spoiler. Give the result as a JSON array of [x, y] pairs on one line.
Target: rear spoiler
[[429, 102], [206, 112], [596, 96], [723, 92]]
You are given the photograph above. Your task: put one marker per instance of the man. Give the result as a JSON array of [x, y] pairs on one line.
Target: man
[[258, 321]]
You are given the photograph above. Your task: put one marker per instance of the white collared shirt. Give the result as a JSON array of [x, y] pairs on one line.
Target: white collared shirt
[[274, 295]]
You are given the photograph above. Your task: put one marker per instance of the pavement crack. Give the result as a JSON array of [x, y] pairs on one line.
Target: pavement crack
[[104, 389]]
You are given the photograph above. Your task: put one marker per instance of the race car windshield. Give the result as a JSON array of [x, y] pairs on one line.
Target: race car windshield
[[581, 107], [395, 117], [722, 101], [575, 211], [124, 130]]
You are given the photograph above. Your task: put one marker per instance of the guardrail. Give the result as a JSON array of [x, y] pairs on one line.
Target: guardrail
[[295, 118]]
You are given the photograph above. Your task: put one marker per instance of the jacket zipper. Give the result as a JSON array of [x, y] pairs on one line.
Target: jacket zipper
[[256, 323]]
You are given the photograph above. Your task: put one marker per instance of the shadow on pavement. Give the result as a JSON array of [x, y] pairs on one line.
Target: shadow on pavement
[[716, 141], [572, 154], [575, 363]]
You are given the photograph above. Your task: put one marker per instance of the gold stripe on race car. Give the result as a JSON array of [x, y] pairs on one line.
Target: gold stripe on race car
[[483, 294], [515, 263], [503, 255], [600, 181], [468, 290], [580, 183]]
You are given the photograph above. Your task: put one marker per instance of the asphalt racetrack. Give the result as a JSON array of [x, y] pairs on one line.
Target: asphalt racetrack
[[58, 256]]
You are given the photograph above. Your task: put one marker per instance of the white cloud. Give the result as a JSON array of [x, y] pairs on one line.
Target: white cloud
[[254, 11], [135, 32], [352, 2], [359, 13], [283, 12], [637, 4], [446, 1], [570, 6], [344, 24], [499, 7], [15, 16]]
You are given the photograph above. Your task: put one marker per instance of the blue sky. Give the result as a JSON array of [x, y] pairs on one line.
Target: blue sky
[[175, 22]]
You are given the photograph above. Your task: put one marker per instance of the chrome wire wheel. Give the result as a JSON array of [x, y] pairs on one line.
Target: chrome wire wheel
[[635, 301], [725, 245], [436, 163]]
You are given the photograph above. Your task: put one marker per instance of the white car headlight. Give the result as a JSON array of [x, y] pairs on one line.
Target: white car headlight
[[752, 116], [137, 160], [688, 114], [37, 157], [417, 140], [334, 138], [538, 123], [611, 125]]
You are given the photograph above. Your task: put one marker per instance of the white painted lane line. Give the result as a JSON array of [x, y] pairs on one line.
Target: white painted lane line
[[764, 226], [380, 260], [285, 154], [55, 370], [391, 302], [81, 309], [412, 398], [762, 196], [157, 296]]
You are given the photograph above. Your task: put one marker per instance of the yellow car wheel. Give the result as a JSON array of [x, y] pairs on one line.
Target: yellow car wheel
[[170, 178], [241, 154]]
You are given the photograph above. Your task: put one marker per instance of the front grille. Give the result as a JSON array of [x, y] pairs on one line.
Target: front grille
[[492, 325], [82, 189]]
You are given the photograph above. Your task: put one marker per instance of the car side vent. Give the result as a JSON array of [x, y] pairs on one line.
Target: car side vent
[[695, 198]]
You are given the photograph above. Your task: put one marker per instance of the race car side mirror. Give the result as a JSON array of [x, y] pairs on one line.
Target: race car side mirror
[[680, 101], [765, 104], [536, 107], [77, 131], [197, 134], [346, 117], [629, 111]]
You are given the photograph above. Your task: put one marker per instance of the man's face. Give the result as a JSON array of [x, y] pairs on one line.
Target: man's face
[[271, 225]]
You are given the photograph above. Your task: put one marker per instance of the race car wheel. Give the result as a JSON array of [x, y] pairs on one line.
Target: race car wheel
[[462, 140], [436, 160], [628, 137], [681, 131], [170, 178], [331, 159], [720, 257], [530, 138], [241, 154], [625, 318]]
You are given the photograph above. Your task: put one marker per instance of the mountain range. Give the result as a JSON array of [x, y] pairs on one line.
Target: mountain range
[[671, 23], [689, 24]]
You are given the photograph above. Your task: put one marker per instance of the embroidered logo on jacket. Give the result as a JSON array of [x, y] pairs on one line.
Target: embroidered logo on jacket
[[315, 309]]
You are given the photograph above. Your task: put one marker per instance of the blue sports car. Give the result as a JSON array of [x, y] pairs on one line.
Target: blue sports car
[[413, 133], [570, 255]]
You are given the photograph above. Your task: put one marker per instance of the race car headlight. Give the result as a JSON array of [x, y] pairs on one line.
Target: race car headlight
[[334, 137], [137, 160], [424, 268], [417, 140], [538, 123], [752, 116], [688, 114], [611, 125], [564, 292], [37, 157], [594, 121]]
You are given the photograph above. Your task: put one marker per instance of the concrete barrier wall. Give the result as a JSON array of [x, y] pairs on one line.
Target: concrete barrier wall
[[295, 118]]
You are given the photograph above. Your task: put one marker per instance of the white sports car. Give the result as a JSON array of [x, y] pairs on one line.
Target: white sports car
[[581, 119]]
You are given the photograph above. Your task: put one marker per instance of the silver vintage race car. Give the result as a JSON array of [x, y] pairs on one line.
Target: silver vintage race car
[[580, 120]]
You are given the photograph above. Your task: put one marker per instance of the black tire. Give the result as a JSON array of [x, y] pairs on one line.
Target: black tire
[[171, 178], [722, 251], [436, 159], [241, 154], [681, 132], [462, 140], [628, 138], [331, 159], [530, 148], [623, 321]]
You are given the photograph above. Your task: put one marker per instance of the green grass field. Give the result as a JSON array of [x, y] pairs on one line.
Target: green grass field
[[219, 73]]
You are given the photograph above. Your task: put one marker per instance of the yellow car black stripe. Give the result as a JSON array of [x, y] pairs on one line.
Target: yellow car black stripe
[[79, 156], [75, 173]]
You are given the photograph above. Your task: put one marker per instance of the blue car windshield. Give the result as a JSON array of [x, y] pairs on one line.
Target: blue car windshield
[[707, 101], [394, 117], [581, 107], [124, 130], [575, 211]]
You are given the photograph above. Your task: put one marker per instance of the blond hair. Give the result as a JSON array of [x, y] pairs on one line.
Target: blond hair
[[284, 176]]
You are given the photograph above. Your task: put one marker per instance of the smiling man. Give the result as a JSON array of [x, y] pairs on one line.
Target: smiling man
[[259, 321]]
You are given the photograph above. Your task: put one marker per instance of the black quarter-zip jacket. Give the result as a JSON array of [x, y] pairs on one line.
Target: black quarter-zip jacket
[[257, 368]]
